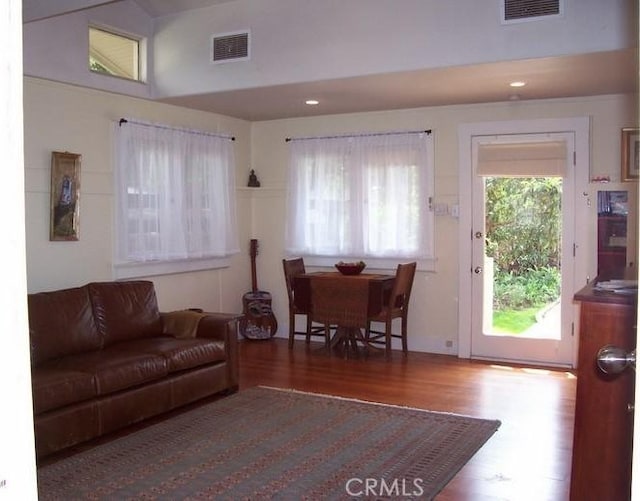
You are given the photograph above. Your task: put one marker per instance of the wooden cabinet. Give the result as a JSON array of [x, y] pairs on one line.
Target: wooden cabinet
[[612, 243], [602, 442]]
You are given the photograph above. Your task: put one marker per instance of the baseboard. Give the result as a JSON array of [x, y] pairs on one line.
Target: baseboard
[[437, 345]]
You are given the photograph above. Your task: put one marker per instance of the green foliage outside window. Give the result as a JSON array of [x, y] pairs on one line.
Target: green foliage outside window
[[523, 236], [96, 66]]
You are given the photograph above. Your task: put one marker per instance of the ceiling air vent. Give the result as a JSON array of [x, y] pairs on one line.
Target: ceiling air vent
[[530, 10], [228, 47]]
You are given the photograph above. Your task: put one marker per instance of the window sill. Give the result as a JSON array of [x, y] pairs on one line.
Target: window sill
[[137, 270], [384, 264]]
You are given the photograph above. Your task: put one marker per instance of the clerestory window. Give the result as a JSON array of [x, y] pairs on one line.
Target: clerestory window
[[114, 54]]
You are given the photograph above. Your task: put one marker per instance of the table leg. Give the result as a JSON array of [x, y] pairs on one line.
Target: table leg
[[347, 339]]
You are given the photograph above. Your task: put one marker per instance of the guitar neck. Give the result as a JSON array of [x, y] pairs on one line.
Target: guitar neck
[[253, 252], [254, 276]]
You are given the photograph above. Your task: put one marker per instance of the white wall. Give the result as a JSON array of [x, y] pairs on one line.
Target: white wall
[[60, 117], [434, 306], [303, 40], [17, 452], [63, 117]]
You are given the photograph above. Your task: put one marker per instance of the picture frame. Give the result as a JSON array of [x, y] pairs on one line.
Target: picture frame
[[65, 196], [630, 150]]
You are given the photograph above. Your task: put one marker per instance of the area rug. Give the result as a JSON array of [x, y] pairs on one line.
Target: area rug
[[266, 443]]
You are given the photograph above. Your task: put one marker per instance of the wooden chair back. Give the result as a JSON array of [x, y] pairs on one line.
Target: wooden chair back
[[402, 285], [292, 268]]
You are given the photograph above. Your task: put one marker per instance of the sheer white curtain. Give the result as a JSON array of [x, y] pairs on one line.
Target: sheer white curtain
[[361, 196], [175, 194]]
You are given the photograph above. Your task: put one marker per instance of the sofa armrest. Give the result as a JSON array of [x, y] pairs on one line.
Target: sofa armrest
[[224, 326]]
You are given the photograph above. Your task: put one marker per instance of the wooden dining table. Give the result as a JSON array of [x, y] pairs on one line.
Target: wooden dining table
[[363, 295]]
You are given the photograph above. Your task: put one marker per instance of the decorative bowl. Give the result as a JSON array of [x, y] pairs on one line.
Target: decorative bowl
[[350, 268]]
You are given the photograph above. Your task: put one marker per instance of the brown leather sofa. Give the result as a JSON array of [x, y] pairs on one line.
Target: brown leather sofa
[[103, 357]]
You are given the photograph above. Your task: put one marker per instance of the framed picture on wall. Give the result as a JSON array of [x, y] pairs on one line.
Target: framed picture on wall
[[65, 196], [630, 154]]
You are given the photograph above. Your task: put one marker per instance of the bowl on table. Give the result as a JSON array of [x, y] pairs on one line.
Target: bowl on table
[[350, 268]]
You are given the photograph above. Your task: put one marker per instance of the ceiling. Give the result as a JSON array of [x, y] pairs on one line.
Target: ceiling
[[33, 10], [159, 8], [568, 76], [555, 77]]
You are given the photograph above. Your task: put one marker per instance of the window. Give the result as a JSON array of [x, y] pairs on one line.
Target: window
[[114, 54], [361, 196], [175, 200]]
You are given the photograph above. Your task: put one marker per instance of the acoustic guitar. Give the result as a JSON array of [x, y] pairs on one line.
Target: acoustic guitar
[[258, 320]]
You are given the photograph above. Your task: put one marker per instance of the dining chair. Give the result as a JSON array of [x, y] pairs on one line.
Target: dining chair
[[341, 304], [396, 307], [292, 268]]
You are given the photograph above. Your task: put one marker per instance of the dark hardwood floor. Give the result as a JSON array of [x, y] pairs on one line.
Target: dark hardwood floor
[[529, 457]]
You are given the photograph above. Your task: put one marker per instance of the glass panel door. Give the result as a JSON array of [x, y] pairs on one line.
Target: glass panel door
[[522, 252]]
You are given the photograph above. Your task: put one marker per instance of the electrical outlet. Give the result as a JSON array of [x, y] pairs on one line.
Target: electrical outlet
[[449, 344]]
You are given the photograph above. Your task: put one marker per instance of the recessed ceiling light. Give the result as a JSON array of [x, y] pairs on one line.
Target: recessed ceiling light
[[518, 84], [312, 102]]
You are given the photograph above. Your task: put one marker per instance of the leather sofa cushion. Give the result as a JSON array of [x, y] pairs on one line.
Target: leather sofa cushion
[[61, 323], [75, 378], [185, 354], [54, 388], [125, 310], [180, 354], [117, 369]]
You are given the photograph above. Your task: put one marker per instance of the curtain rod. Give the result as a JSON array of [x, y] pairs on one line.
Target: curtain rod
[[428, 131], [202, 133]]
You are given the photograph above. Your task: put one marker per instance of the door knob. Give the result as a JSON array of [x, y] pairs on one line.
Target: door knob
[[478, 234], [614, 360], [477, 270]]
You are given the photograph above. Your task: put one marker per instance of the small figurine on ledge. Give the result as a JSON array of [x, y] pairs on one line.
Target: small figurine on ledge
[[253, 180]]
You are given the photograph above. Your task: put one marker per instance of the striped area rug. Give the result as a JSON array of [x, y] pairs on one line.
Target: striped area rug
[[266, 443]]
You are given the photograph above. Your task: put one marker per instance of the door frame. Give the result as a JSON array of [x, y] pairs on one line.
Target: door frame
[[580, 127]]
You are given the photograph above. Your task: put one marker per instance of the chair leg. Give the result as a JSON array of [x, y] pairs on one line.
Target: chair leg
[[308, 328], [404, 335], [327, 336], [387, 336], [292, 329]]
